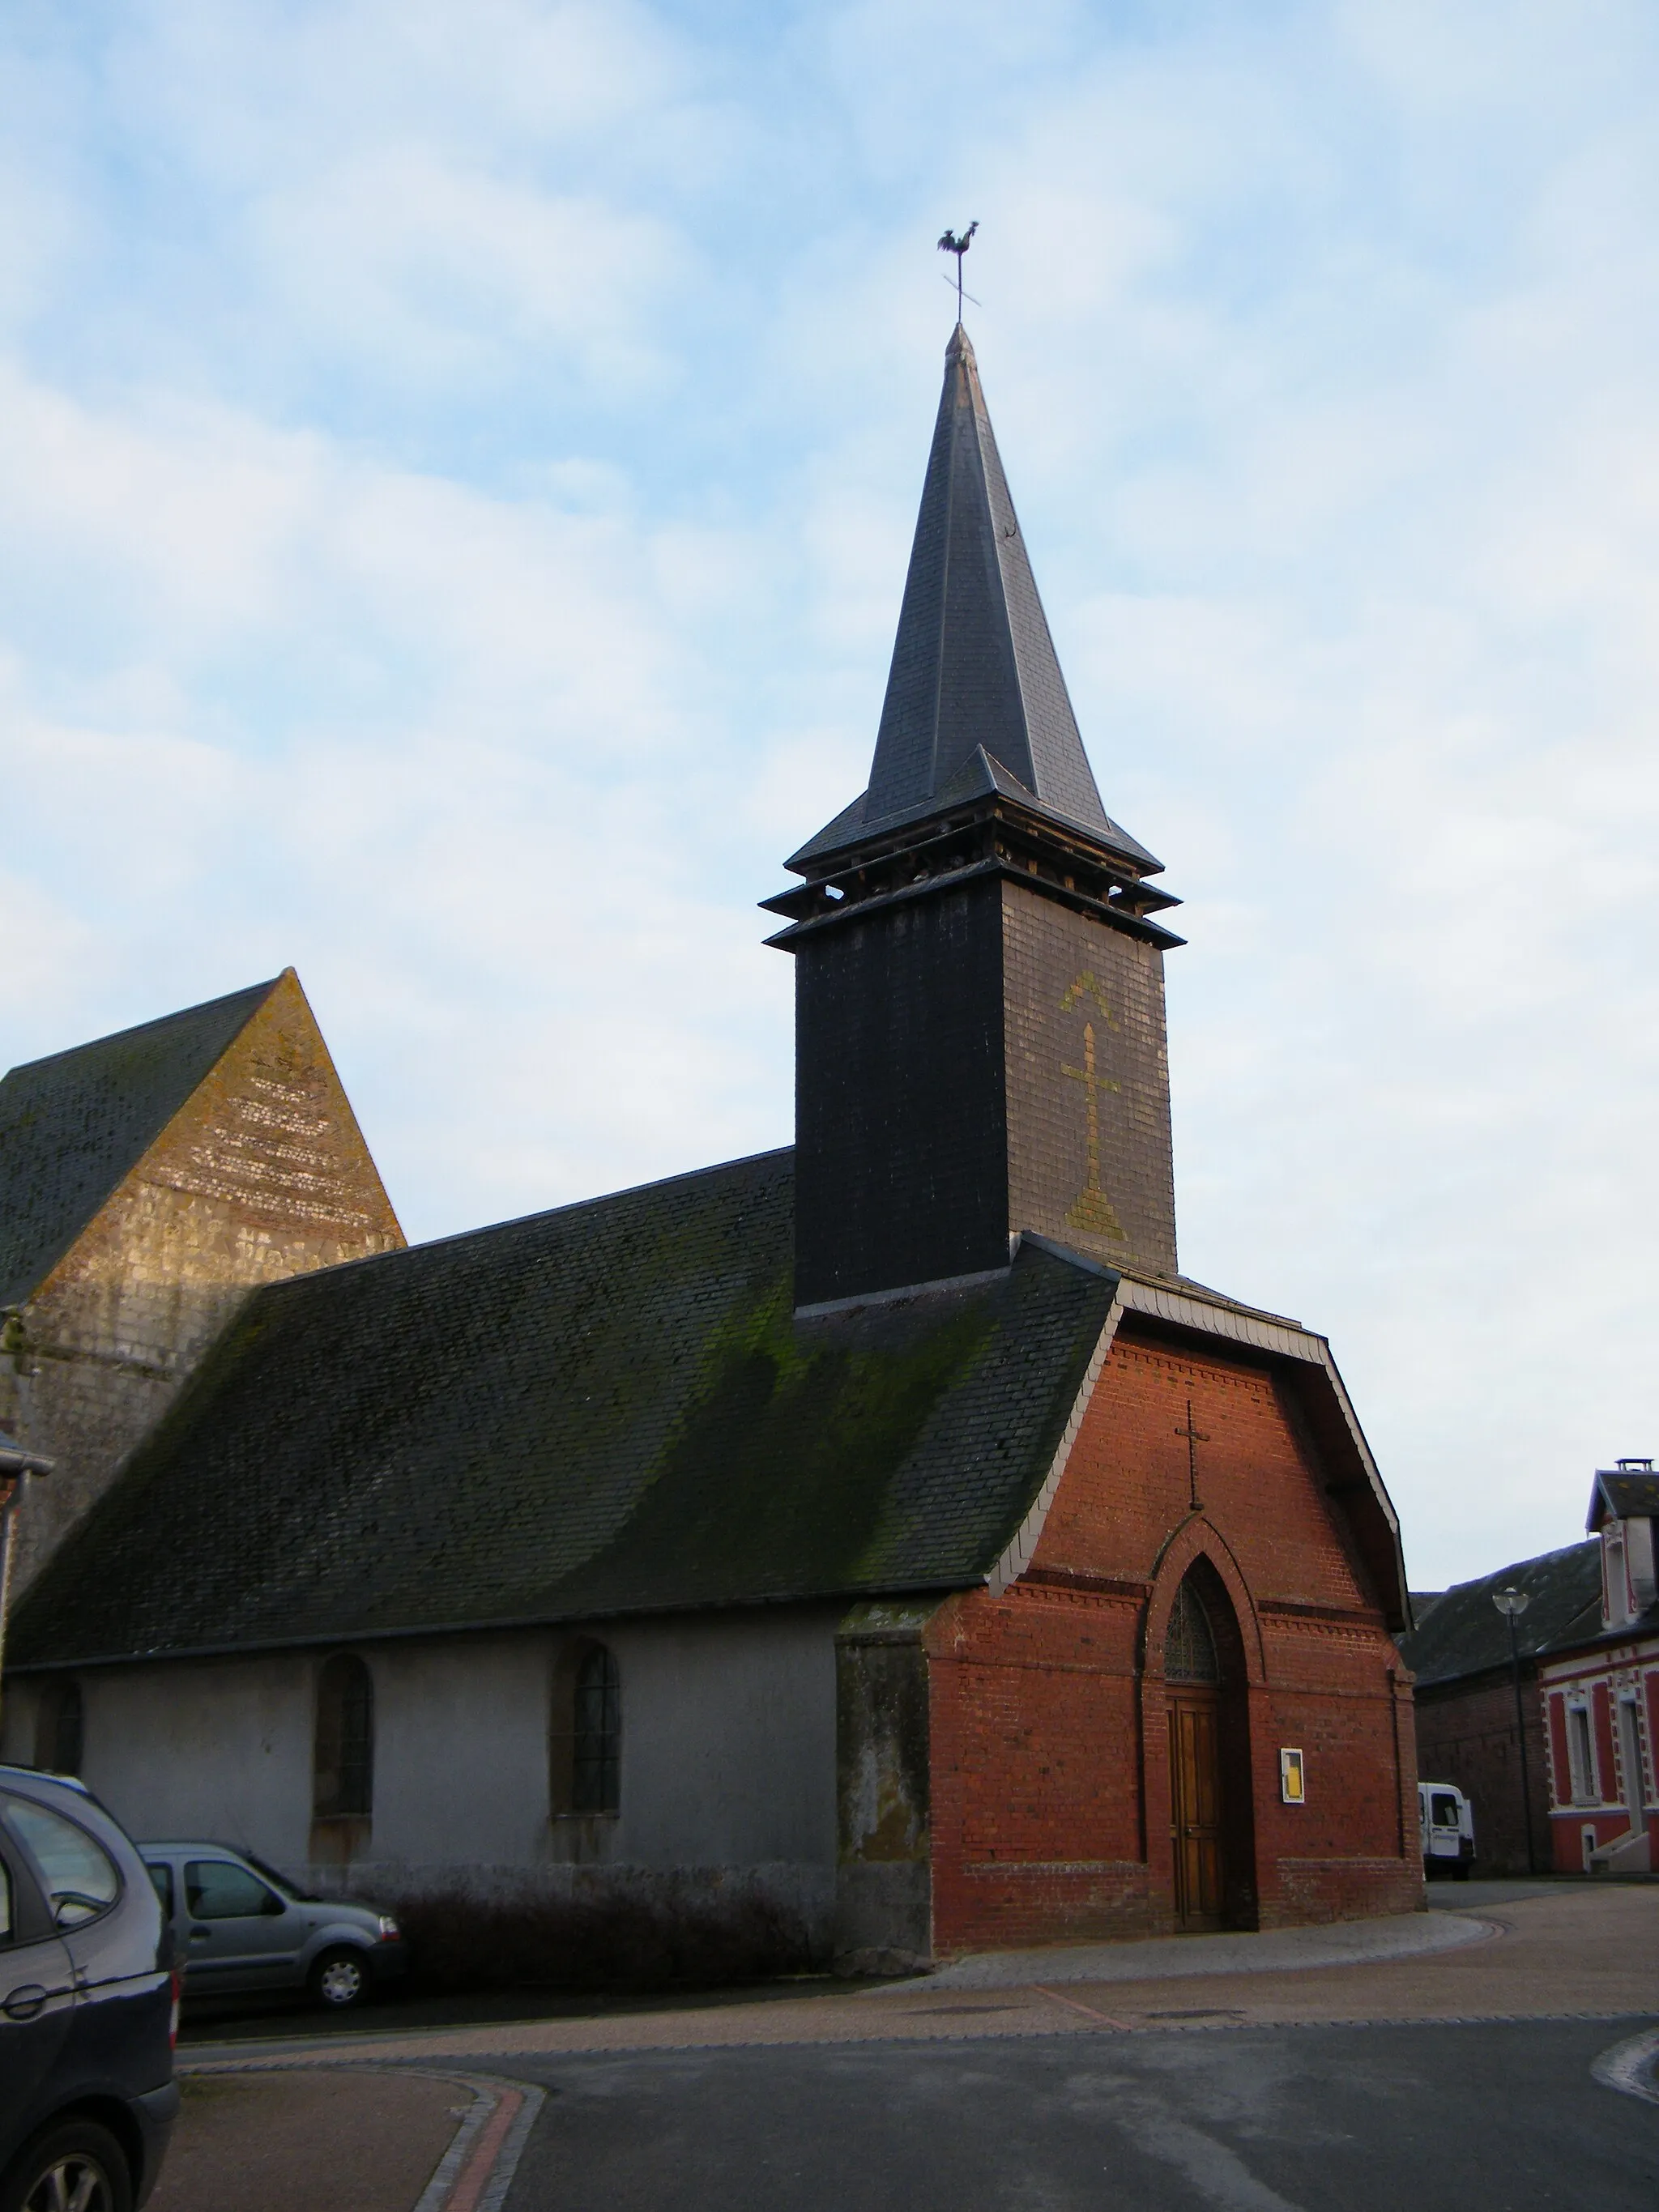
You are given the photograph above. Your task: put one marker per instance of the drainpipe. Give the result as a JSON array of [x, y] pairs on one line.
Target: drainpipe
[[15, 1464]]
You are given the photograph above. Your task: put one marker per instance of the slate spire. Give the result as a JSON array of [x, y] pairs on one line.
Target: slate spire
[[973, 663], [974, 695]]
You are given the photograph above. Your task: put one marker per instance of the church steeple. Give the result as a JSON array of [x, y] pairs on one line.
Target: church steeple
[[973, 664], [974, 670], [979, 1042]]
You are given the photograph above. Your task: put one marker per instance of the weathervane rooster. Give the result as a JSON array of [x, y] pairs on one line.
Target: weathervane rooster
[[951, 244]]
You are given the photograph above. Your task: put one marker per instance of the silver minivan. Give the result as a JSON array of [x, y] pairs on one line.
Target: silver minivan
[[241, 1927]]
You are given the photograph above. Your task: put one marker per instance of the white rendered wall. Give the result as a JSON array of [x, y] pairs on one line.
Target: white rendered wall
[[728, 1757]]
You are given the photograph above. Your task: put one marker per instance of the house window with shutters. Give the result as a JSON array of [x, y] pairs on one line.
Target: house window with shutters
[[1581, 1756]]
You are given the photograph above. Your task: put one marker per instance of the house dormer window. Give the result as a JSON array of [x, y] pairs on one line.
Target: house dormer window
[[1623, 1508], [1615, 1581]]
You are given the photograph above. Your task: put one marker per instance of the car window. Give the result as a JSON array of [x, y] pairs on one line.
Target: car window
[[216, 1890], [81, 1880], [6, 1922], [160, 1875], [1444, 1813], [280, 1882]]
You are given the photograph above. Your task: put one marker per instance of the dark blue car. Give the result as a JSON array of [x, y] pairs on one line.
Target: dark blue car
[[88, 2005]]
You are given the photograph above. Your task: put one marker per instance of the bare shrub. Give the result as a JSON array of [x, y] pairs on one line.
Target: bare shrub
[[460, 1940]]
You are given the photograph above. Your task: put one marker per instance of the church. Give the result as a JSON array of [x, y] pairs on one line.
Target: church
[[882, 1527]]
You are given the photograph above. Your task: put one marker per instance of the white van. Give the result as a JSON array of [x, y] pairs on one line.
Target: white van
[[1445, 1826]]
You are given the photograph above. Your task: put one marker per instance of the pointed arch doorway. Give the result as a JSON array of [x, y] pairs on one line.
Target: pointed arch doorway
[[1200, 1667]]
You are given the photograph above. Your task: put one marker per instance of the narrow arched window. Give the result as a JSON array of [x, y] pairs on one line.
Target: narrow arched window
[[1189, 1653], [342, 1765], [59, 1730], [596, 1778]]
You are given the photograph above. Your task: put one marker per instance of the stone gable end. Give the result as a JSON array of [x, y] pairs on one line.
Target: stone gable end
[[262, 1173]]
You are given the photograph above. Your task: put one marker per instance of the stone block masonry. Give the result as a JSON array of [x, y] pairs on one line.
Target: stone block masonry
[[262, 1173]]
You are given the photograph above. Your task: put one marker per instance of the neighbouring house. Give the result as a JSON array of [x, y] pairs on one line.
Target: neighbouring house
[[147, 1182], [882, 1529], [1600, 1685], [1464, 1695]]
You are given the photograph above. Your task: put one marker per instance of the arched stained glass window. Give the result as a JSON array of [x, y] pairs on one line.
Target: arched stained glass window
[[595, 1779], [59, 1730], [343, 1765], [1189, 1653]]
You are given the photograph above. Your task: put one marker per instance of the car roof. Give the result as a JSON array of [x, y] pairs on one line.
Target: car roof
[[45, 1774], [192, 1844]]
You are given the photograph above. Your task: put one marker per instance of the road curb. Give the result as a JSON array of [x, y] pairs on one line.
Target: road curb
[[1342, 1943], [477, 2170]]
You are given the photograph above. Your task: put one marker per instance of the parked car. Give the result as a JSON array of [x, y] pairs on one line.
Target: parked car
[[241, 1927], [1445, 1828], [88, 2005]]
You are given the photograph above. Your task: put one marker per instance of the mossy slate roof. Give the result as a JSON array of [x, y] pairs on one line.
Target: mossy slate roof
[[74, 1126], [607, 1409]]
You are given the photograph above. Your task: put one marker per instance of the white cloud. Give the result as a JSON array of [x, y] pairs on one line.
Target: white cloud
[[455, 474]]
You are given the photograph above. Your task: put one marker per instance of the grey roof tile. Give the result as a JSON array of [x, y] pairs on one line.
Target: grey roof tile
[[1464, 1633], [1624, 1493]]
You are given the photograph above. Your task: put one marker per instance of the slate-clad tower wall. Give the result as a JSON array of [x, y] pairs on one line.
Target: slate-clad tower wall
[[1074, 990], [980, 1026], [901, 1124]]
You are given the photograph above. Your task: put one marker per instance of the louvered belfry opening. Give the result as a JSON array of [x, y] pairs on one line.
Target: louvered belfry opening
[[979, 987]]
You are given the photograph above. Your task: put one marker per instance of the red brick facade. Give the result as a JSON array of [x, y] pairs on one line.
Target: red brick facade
[[1050, 1785], [1606, 1793]]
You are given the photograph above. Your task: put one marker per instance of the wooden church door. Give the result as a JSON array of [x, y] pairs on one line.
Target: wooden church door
[[1195, 1808], [1192, 1670]]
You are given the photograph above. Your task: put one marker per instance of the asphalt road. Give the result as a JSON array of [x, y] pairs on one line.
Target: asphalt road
[[1474, 2117]]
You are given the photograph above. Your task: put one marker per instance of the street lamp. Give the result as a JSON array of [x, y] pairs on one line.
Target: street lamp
[[1512, 1603]]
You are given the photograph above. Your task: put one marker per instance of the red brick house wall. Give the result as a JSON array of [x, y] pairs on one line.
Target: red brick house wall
[[1603, 1813], [1050, 1789], [1466, 1735]]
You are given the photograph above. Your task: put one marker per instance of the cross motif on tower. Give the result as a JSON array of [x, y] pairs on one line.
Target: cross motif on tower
[[1194, 1438], [1091, 1208]]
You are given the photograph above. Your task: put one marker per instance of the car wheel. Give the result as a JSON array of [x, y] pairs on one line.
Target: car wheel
[[341, 1979], [77, 2166]]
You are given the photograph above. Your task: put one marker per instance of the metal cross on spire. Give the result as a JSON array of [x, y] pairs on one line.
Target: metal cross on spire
[[951, 244], [1194, 1438]]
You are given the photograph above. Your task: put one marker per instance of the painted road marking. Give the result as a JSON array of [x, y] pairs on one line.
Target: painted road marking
[[1632, 2067]]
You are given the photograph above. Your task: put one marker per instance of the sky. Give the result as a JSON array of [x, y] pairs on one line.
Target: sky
[[457, 470]]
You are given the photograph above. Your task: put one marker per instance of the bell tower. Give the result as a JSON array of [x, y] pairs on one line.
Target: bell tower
[[979, 1043]]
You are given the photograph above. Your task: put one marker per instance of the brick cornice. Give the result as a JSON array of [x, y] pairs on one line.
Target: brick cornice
[[1076, 1578]]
